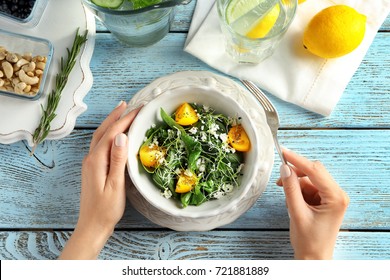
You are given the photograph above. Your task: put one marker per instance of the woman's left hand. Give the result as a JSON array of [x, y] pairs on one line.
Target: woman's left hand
[[103, 196]]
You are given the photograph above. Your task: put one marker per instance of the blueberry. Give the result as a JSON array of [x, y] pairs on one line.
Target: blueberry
[[17, 8]]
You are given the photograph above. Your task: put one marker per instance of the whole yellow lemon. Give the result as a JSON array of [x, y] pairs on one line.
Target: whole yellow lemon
[[334, 31]]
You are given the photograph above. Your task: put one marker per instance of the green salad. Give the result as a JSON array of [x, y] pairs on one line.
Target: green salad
[[195, 154]]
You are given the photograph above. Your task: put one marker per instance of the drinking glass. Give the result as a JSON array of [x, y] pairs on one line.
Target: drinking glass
[[236, 27]]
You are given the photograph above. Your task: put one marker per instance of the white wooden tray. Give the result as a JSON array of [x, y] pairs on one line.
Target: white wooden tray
[[59, 22]]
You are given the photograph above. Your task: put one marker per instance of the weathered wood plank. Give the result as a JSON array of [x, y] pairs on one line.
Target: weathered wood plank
[[362, 104], [214, 245], [43, 191]]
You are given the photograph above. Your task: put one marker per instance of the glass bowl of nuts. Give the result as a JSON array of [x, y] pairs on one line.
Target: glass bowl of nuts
[[24, 65]]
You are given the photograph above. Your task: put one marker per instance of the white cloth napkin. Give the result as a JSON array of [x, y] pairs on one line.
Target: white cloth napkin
[[291, 73]]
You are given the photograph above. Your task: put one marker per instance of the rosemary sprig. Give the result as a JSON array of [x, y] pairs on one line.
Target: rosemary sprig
[[49, 114]]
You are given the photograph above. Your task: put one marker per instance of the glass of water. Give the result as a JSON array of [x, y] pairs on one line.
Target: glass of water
[[254, 28]]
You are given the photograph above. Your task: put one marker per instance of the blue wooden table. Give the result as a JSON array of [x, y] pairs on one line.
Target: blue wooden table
[[39, 195]]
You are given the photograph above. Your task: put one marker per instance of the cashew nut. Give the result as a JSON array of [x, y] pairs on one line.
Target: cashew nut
[[41, 65], [27, 56], [34, 89], [8, 69], [15, 80], [21, 62], [1, 74], [27, 89], [30, 74], [3, 54], [1, 82], [19, 87], [29, 67], [12, 57], [28, 80], [39, 58]]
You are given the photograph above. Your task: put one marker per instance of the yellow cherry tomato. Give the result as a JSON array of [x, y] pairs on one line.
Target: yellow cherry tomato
[[150, 156], [238, 139], [186, 182], [186, 115]]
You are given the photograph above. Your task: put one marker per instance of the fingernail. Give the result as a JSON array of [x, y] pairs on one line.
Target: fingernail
[[285, 171], [120, 140], [119, 104]]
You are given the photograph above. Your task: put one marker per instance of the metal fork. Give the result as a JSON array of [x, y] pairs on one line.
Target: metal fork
[[270, 113]]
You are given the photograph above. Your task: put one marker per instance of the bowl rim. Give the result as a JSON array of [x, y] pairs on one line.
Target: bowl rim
[[231, 203]]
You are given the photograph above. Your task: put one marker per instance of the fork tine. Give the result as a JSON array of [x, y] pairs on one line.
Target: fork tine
[[264, 101], [260, 95], [270, 113]]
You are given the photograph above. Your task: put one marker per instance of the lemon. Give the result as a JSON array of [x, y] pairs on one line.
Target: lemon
[[334, 31], [301, 1], [265, 24]]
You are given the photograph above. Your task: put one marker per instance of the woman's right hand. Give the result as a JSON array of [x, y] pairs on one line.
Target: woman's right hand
[[316, 205]]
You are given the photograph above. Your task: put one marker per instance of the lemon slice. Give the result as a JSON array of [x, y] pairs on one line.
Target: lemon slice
[[238, 8], [265, 23], [252, 18]]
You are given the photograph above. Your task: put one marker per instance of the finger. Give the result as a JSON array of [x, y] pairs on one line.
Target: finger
[[111, 118], [315, 170], [292, 190], [309, 192], [119, 126], [118, 160], [297, 171]]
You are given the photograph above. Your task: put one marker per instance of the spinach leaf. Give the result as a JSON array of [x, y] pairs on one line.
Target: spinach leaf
[[185, 199], [193, 147]]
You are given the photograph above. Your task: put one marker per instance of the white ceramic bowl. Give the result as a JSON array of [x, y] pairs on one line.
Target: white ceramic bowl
[[213, 213]]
